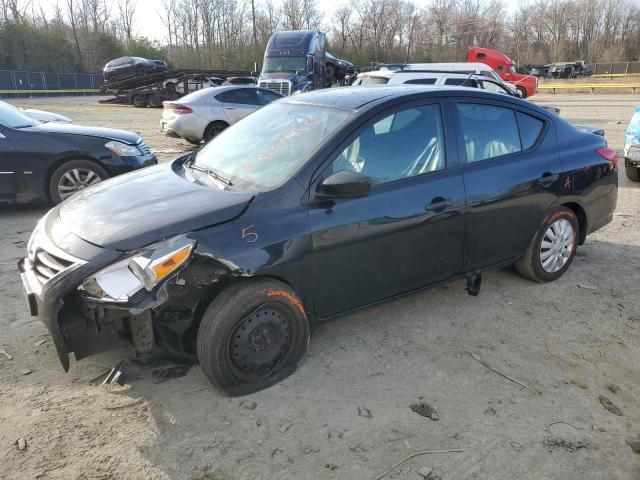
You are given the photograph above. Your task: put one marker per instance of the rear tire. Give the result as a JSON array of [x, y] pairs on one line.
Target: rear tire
[[140, 101], [522, 91], [633, 173], [73, 176], [155, 101], [213, 130], [552, 248], [252, 336]]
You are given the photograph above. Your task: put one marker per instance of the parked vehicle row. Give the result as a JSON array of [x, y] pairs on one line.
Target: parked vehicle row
[[313, 206]]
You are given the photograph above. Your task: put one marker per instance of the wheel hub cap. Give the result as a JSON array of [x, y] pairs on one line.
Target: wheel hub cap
[[557, 245], [75, 180]]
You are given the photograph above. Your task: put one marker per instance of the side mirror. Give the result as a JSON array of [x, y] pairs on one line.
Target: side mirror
[[345, 184]]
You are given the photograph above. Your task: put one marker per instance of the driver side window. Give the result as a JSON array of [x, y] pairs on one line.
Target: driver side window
[[404, 144]]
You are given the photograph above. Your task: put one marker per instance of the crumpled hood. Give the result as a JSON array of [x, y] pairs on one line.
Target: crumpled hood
[[70, 129], [145, 206]]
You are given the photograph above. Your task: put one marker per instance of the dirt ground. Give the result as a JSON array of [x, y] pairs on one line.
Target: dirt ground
[[345, 414]]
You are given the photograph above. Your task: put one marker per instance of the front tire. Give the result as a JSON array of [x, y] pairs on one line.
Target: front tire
[[73, 176], [252, 336], [552, 248], [522, 91]]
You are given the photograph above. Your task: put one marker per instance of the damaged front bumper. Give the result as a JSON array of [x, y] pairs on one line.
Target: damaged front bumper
[[165, 317]]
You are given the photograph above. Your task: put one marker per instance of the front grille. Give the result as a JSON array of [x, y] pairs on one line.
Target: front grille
[[283, 87], [46, 260], [46, 266], [144, 148]]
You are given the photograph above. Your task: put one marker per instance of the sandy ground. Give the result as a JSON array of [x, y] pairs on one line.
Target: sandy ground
[[345, 413]]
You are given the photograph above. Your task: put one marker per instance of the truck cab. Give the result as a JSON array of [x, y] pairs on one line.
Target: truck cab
[[294, 62], [505, 68]]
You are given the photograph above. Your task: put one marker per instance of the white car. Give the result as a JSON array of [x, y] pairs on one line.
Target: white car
[[204, 114], [45, 117], [419, 77]]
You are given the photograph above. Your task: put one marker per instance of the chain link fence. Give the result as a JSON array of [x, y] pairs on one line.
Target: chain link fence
[[14, 84]]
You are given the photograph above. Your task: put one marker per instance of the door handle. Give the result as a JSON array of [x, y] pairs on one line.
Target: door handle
[[548, 179], [438, 204], [229, 108]]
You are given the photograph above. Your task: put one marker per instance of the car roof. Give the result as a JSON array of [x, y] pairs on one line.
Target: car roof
[[449, 66], [360, 98], [212, 91]]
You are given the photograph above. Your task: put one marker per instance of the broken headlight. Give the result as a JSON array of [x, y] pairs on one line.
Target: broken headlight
[[145, 270]]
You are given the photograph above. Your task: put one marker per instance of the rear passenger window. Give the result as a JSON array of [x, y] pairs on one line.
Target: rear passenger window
[[530, 128], [421, 81], [489, 131]]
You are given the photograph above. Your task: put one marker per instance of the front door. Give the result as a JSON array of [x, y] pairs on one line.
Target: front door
[[512, 178], [9, 173], [409, 231]]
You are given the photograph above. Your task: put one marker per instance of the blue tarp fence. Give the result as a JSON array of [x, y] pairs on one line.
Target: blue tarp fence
[[30, 84]]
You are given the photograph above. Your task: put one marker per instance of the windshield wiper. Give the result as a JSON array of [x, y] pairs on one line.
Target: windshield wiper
[[211, 173]]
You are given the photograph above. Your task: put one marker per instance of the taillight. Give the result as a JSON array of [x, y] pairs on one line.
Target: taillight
[[608, 154], [180, 109]]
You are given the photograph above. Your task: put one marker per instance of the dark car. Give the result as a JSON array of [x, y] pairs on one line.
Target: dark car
[[313, 206], [123, 67], [52, 161]]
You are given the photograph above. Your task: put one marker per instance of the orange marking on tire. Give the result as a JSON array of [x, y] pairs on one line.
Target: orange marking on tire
[[288, 296]]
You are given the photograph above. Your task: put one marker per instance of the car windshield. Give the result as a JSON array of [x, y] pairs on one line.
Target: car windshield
[[11, 117], [266, 148], [283, 64]]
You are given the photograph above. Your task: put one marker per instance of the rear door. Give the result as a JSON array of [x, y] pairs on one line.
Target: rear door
[[512, 177], [238, 103]]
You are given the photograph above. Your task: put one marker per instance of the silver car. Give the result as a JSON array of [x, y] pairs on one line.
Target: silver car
[[203, 114]]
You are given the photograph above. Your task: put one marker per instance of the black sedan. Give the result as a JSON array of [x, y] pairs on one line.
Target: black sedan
[[315, 205], [52, 161]]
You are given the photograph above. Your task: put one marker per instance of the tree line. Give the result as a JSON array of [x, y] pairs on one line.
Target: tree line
[[82, 35]]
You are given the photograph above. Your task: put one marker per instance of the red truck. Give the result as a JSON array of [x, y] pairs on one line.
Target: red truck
[[506, 68]]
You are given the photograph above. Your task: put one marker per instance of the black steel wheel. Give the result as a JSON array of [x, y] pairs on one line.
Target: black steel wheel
[[252, 336], [261, 340]]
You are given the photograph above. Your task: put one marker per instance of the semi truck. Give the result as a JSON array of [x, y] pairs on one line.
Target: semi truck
[[295, 61], [505, 68]]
